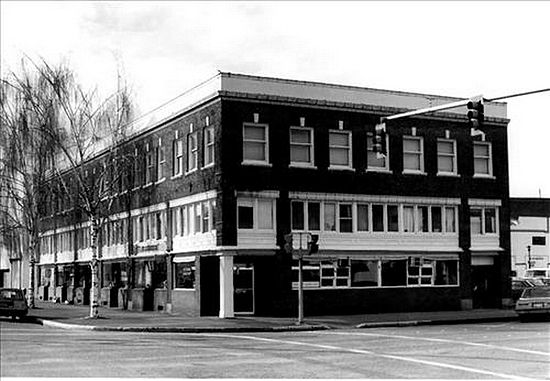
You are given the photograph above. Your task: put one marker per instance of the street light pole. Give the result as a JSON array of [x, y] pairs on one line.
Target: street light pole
[[300, 286]]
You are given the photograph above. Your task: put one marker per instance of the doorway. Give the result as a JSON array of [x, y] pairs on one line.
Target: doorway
[[484, 287], [243, 289]]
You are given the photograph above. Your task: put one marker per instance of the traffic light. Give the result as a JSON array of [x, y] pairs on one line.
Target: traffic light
[[379, 139], [476, 113], [313, 244], [288, 243]]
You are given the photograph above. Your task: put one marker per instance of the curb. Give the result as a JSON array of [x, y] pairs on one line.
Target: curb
[[409, 323], [290, 328]]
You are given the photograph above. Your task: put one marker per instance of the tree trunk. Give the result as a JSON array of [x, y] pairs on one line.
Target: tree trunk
[[33, 251], [94, 290]]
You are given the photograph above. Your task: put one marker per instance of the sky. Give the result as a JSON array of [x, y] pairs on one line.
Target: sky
[[460, 49]]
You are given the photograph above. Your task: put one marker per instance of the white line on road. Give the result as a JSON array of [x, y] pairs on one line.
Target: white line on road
[[364, 352], [439, 341]]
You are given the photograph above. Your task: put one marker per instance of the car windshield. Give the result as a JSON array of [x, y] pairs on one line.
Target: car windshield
[[535, 273], [11, 294], [537, 292]]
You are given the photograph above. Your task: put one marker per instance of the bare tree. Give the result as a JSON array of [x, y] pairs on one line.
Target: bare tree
[[26, 113], [89, 164]]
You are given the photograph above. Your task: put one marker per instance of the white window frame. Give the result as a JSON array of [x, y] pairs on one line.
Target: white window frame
[[192, 153], [178, 158], [420, 153], [444, 154], [208, 146], [265, 143], [372, 168], [488, 158], [161, 164], [310, 145], [349, 147], [483, 228], [253, 202]]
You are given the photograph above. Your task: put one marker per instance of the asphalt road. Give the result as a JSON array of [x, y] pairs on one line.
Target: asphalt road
[[482, 351]]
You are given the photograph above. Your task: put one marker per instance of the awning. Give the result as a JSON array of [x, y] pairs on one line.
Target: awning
[[184, 259]]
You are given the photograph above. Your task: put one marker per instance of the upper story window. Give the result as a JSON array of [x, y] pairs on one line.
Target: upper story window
[[375, 163], [483, 162], [255, 144], [138, 169], [149, 167], [339, 149], [257, 214], [192, 151], [301, 146], [177, 157], [446, 157], [161, 163], [483, 220], [208, 149], [413, 154]]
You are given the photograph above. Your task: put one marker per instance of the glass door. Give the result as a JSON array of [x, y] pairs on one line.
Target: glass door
[[243, 286]]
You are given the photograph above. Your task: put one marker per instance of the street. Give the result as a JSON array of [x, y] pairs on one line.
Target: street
[[476, 351]]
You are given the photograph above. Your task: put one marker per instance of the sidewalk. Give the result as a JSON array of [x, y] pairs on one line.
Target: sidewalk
[[113, 319]]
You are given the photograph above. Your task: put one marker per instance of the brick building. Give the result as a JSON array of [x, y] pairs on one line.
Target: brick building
[[223, 173]]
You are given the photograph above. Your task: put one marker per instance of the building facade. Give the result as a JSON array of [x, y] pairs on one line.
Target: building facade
[[530, 234], [222, 174]]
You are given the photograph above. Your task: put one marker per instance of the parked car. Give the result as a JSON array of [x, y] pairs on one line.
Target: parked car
[[534, 302], [520, 284], [13, 303]]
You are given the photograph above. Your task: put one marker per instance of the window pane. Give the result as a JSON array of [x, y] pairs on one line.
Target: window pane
[[445, 147], [411, 145], [185, 275], [339, 139], [374, 162], [345, 218], [364, 273], [446, 272], [330, 217], [245, 217], [297, 210], [436, 219], [408, 219], [314, 216], [475, 221], [254, 151], [411, 161], [490, 220], [362, 217], [481, 150], [265, 214], [445, 164], [300, 154], [481, 166], [300, 136], [339, 156], [378, 218], [450, 226], [423, 218], [393, 219], [394, 272], [254, 133]]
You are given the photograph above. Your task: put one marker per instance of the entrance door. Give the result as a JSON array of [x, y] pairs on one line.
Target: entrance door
[[243, 286], [484, 293]]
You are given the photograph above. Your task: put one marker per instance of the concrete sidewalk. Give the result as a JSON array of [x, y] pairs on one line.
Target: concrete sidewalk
[[113, 319]]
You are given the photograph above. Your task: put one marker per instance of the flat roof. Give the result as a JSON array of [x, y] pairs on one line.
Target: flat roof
[[227, 82]]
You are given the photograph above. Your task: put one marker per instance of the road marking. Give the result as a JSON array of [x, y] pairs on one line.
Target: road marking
[[440, 341], [365, 352]]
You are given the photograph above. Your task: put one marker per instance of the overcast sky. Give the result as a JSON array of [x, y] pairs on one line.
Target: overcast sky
[[446, 48]]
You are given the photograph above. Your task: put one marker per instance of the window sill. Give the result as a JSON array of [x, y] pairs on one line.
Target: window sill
[[160, 181], [147, 185], [191, 171], [481, 176], [340, 168], [257, 163], [447, 174], [379, 170], [208, 166], [176, 176], [417, 173], [136, 188], [302, 166]]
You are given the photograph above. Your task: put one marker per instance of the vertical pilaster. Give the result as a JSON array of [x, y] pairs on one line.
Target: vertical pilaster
[[226, 287]]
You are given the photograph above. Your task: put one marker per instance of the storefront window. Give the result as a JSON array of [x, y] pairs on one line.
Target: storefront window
[[394, 272], [364, 273], [446, 272], [185, 275]]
